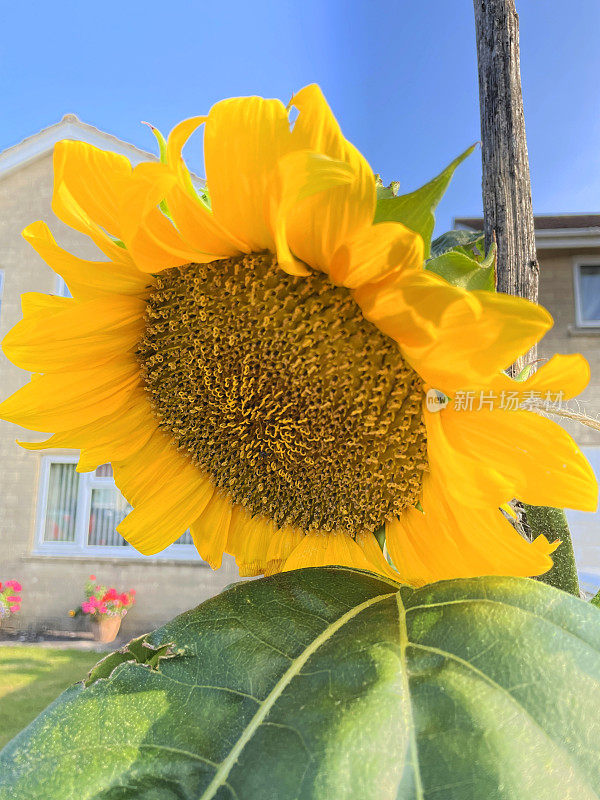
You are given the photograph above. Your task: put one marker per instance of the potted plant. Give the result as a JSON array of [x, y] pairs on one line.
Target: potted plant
[[105, 607], [10, 600]]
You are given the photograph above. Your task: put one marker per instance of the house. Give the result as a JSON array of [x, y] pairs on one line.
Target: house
[[568, 249], [58, 526]]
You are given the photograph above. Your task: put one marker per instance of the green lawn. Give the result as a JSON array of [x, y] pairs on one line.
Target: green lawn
[[31, 677]]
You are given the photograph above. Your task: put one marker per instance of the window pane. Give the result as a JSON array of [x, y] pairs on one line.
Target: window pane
[[589, 293], [108, 508], [104, 471], [186, 538], [61, 508]]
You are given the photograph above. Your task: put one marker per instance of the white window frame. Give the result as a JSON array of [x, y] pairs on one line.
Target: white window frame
[[80, 548], [582, 261], [60, 287]]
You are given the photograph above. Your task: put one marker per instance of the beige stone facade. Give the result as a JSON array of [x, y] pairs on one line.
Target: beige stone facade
[[557, 292]]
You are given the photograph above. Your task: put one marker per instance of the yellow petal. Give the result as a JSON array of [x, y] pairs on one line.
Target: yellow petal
[[177, 138], [564, 376], [151, 238], [76, 335], [368, 544], [161, 519], [533, 458], [302, 174], [211, 529], [409, 307], [322, 222], [450, 336], [196, 223], [62, 402], [244, 137], [452, 540], [35, 304], [199, 227], [87, 279], [319, 549], [94, 179], [69, 195], [374, 253], [167, 491], [111, 438], [280, 547], [248, 540], [460, 470]]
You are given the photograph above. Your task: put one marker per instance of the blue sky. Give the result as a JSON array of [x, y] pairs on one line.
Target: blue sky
[[401, 77]]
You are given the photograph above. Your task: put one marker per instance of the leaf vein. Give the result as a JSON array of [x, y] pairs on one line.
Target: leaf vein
[[265, 707]]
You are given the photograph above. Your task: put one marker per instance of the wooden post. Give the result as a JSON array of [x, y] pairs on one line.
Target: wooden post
[[507, 210], [508, 217]]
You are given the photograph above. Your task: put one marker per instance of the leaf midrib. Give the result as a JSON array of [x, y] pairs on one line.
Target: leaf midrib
[[404, 643], [222, 773]]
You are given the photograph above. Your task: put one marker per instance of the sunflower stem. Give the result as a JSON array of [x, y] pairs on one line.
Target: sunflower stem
[[552, 523]]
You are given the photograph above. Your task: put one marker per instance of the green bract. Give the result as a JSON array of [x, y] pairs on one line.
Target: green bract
[[415, 210], [330, 683]]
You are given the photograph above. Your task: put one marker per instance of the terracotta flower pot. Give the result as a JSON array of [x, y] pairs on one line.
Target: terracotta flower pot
[[106, 628]]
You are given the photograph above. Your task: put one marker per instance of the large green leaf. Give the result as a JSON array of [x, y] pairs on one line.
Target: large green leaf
[[415, 210], [334, 684]]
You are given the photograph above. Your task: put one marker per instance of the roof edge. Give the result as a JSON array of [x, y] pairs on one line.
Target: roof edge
[[69, 127]]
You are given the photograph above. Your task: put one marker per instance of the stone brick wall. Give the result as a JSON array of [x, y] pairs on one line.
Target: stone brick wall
[[557, 295]]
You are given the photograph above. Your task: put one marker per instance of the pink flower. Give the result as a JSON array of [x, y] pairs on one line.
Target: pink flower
[[111, 594], [92, 577], [124, 598], [102, 608], [14, 608], [87, 608], [14, 585], [13, 598], [132, 591], [0, 586]]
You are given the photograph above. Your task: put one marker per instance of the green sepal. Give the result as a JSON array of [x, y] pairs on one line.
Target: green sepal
[[471, 243], [162, 154], [415, 210], [386, 191], [463, 271], [162, 142], [525, 373], [379, 535]]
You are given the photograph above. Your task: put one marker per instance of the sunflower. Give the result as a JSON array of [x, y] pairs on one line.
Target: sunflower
[[254, 360]]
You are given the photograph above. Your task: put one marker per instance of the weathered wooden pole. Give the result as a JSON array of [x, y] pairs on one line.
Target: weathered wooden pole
[[508, 217], [507, 209]]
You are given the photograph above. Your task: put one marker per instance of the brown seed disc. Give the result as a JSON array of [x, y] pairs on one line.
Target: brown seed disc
[[279, 388]]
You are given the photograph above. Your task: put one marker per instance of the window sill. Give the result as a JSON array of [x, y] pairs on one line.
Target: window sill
[[114, 560], [576, 331]]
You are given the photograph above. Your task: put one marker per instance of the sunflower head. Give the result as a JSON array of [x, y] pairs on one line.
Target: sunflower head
[[253, 359]]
